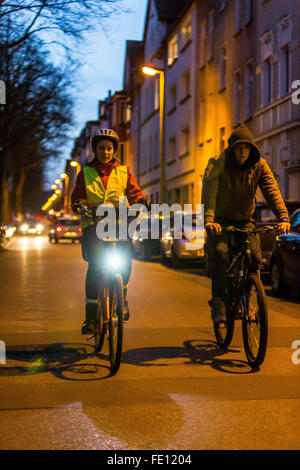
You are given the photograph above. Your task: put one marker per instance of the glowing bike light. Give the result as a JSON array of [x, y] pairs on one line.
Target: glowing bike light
[[115, 261]]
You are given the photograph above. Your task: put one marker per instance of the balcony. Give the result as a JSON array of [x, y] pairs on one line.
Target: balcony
[[274, 116]]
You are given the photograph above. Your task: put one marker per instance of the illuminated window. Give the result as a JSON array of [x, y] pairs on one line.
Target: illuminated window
[[173, 50], [186, 33]]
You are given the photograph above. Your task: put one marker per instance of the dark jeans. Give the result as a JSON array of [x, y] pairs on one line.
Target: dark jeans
[[93, 251], [219, 254]]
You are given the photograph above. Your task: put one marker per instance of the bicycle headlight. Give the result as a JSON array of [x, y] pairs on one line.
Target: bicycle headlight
[[115, 261]]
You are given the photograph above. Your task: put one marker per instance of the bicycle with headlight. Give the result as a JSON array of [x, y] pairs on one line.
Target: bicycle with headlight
[[110, 302]]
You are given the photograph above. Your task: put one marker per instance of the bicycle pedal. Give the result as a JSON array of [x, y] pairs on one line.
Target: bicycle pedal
[[90, 337]]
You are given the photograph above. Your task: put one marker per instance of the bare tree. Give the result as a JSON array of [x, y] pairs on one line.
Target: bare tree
[[36, 119], [62, 20]]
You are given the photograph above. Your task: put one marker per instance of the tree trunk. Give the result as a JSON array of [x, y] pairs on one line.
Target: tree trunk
[[19, 192]]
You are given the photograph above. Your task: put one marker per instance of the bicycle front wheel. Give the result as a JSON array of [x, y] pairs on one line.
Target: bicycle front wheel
[[224, 332], [116, 307], [255, 322], [99, 329]]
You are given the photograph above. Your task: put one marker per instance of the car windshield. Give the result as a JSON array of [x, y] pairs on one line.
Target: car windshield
[[30, 222], [68, 223]]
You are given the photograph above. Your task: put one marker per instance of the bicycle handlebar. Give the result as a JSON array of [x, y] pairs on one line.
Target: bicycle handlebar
[[266, 228]]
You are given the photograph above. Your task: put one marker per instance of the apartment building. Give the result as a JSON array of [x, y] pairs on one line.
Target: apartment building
[[160, 16], [248, 57], [180, 107], [277, 66]]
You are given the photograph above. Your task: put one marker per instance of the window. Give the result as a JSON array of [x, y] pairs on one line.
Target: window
[[186, 33], [173, 50], [172, 149], [248, 11], [185, 194], [173, 97], [248, 89], [185, 141], [185, 80], [284, 65], [267, 82], [210, 39], [238, 16], [223, 68], [203, 42], [222, 139], [237, 97]]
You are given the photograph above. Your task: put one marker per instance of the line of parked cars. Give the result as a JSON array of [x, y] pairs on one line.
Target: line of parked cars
[[280, 254], [172, 247]]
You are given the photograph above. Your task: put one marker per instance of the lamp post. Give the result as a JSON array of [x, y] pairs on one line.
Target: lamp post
[[152, 71], [66, 179], [76, 165]]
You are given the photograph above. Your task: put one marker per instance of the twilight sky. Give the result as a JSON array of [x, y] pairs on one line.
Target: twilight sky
[[103, 71]]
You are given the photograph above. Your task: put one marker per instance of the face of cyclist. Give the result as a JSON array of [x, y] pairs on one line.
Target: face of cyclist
[[241, 153], [105, 151]]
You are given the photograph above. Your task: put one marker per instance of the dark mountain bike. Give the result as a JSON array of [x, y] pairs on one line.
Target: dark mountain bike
[[245, 300]]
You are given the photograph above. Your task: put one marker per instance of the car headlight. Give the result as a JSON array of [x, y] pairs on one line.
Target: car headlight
[[39, 227], [24, 227]]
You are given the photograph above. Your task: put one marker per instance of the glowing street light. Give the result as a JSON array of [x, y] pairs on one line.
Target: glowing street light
[[57, 181], [53, 186], [150, 72]]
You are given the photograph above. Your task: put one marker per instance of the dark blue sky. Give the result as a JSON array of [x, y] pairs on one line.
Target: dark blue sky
[[104, 55]]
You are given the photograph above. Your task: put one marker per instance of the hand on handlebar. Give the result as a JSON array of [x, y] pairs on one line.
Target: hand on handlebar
[[283, 227], [213, 228]]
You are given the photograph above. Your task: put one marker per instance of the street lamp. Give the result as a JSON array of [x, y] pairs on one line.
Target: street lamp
[[57, 181], [76, 165], [151, 72]]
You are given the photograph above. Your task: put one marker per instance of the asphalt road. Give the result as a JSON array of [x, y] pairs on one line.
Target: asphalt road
[[175, 389]]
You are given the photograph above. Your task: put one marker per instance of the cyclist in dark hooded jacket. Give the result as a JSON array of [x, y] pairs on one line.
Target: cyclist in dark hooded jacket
[[229, 187]]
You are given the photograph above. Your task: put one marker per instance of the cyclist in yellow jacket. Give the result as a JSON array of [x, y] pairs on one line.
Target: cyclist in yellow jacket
[[103, 180]]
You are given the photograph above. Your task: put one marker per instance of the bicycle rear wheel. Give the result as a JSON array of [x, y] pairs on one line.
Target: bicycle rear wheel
[[255, 322], [116, 307]]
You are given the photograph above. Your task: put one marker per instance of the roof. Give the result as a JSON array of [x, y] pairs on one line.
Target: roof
[[169, 9]]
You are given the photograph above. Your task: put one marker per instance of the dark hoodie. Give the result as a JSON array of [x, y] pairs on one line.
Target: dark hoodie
[[229, 188]]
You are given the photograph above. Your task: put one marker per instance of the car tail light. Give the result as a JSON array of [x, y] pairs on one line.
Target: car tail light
[[59, 228], [79, 229]]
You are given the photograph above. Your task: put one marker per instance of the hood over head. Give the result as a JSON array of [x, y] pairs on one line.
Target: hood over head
[[243, 135]]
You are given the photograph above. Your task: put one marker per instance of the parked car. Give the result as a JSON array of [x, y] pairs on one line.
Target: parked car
[[65, 229], [143, 246], [285, 259], [179, 248], [263, 215], [31, 226]]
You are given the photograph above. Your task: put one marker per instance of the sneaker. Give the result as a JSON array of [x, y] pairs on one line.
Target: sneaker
[[88, 328], [126, 311], [217, 310]]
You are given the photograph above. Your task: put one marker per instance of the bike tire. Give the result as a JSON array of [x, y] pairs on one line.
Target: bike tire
[[224, 333], [99, 329], [115, 324], [255, 292]]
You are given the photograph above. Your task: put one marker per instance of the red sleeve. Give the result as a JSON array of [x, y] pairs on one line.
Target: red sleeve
[[79, 191], [133, 191]]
